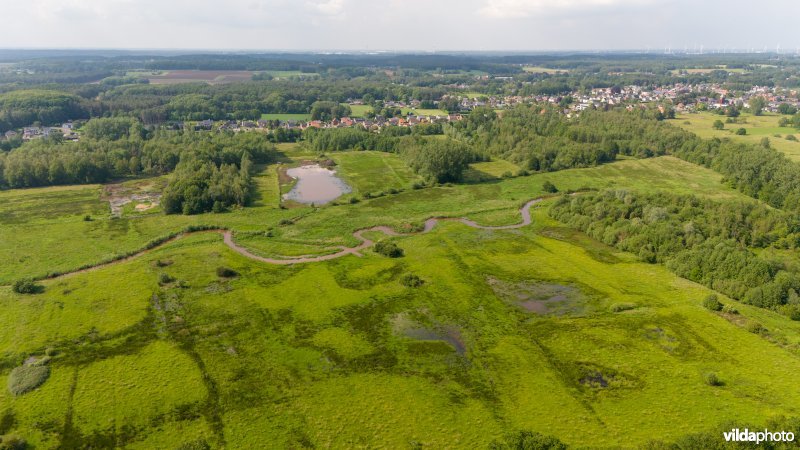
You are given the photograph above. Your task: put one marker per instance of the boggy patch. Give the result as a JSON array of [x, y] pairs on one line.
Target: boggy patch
[[542, 298], [597, 378], [430, 338]]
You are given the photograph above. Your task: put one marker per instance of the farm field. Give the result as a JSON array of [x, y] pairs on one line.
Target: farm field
[[758, 127], [323, 354], [538, 69], [201, 76]]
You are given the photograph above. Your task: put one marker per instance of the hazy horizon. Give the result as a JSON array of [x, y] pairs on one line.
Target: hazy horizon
[[395, 26]]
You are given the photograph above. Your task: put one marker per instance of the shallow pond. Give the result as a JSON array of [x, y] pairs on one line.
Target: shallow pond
[[315, 184]]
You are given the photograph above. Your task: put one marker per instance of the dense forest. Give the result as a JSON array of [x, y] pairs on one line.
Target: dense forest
[[713, 243], [114, 148]]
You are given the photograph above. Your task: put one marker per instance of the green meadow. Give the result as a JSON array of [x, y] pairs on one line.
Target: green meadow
[[758, 127], [160, 351], [286, 117]]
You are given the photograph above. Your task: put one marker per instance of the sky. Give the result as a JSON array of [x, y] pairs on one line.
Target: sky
[[402, 25]]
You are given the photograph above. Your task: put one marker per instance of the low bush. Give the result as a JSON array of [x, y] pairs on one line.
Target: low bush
[[712, 303], [712, 379], [620, 307], [755, 327], [549, 187], [27, 378], [27, 286], [388, 249], [528, 440], [226, 272], [411, 280], [12, 442], [164, 278], [730, 309]]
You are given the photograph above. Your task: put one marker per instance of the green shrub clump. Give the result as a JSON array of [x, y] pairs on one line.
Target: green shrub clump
[[411, 280], [528, 440], [730, 309], [226, 272], [164, 278], [27, 378], [549, 187], [27, 286], [712, 379], [12, 442], [712, 303], [620, 307], [388, 249], [755, 327]]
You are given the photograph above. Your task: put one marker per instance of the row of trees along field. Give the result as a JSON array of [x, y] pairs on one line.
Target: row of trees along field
[[713, 243], [119, 147]]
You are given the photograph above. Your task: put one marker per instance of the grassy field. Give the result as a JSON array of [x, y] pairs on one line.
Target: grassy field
[[359, 110], [285, 117], [38, 220], [758, 127], [342, 355]]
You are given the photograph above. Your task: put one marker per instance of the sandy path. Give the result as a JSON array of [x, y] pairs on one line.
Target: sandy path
[[525, 212]]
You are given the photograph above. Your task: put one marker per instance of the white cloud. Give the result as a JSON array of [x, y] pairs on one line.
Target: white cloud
[[327, 7], [503, 9]]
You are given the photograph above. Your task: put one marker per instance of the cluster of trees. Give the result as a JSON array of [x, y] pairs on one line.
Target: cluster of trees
[[540, 138], [327, 111], [25, 107], [437, 160], [702, 240], [119, 147], [201, 185]]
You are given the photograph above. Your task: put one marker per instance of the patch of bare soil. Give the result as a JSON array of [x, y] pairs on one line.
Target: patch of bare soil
[[118, 195]]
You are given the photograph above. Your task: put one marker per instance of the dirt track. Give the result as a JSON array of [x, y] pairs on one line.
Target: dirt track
[[525, 212]]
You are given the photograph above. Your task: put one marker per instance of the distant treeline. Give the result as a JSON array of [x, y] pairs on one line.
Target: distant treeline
[[119, 147]]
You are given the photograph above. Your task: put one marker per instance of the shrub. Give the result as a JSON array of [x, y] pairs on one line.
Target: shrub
[[730, 309], [549, 187], [87, 218], [711, 303], [619, 307], [27, 286], [791, 137], [388, 249], [741, 131], [12, 442], [160, 263], [354, 200], [528, 440], [712, 379], [285, 222], [523, 173], [226, 272], [411, 280], [507, 174], [755, 327], [164, 278], [199, 444], [27, 378]]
